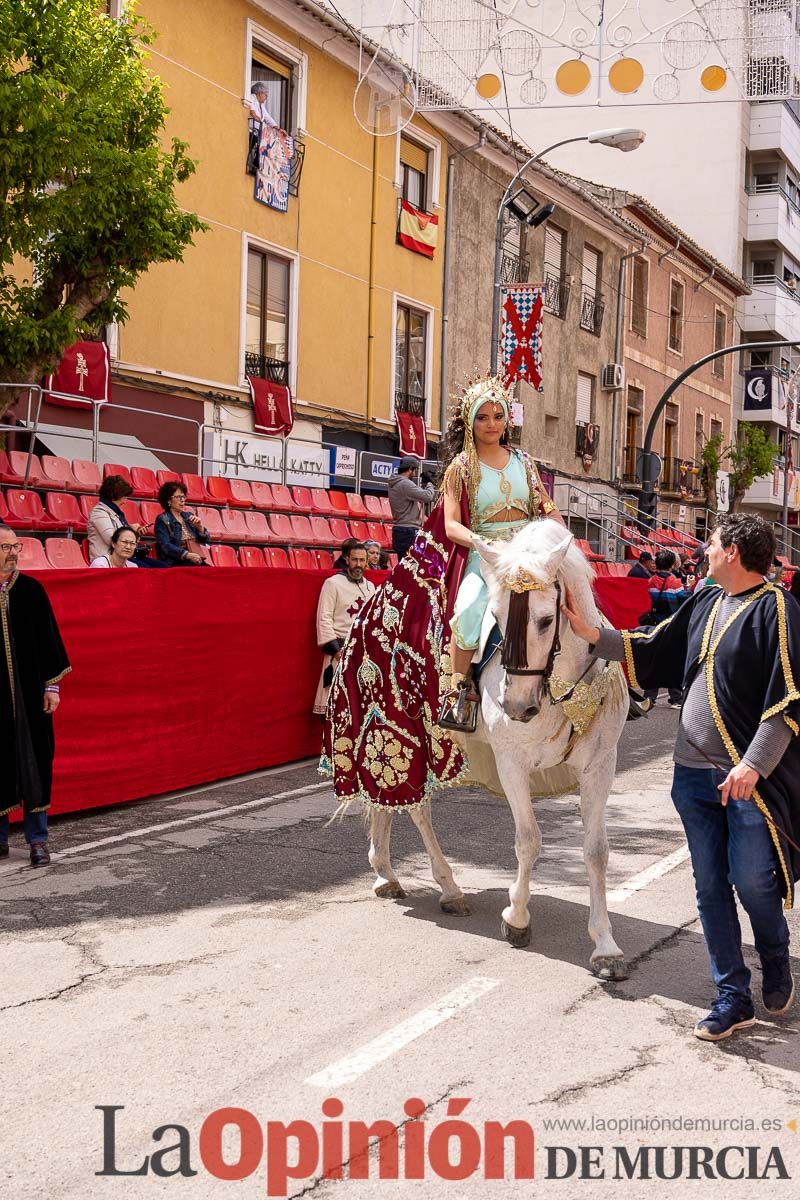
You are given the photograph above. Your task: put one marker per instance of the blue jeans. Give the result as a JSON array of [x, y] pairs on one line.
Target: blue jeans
[[730, 848], [34, 824]]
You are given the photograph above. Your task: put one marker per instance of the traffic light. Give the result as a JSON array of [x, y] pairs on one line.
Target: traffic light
[[648, 508]]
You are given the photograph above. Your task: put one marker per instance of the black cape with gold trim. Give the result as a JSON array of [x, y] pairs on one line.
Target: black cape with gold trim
[[32, 657], [751, 678]]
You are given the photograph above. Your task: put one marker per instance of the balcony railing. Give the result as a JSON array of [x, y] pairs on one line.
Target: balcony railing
[[789, 288], [296, 169], [678, 477], [767, 189], [410, 402], [262, 367], [592, 309], [556, 295], [630, 462], [514, 268]]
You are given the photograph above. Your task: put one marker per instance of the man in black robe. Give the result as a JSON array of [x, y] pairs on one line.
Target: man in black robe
[[733, 649], [32, 662]]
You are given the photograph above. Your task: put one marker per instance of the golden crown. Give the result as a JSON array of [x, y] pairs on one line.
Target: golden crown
[[487, 387]]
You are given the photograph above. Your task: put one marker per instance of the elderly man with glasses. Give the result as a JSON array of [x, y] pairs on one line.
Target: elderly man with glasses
[[32, 663]]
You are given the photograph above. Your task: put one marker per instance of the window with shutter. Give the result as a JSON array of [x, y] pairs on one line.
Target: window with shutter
[[676, 316], [414, 172], [553, 250], [720, 332], [584, 397], [639, 296], [556, 287], [591, 271]]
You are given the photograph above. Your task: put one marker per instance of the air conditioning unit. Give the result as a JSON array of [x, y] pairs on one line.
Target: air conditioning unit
[[612, 377]]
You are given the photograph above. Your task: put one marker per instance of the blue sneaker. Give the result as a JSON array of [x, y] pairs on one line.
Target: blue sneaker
[[777, 985], [728, 1014]]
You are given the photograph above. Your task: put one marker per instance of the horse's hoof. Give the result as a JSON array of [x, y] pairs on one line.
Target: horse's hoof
[[609, 968], [514, 936], [459, 907], [390, 891]]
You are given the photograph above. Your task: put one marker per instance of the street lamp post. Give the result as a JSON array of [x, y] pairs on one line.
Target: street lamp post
[[621, 139]]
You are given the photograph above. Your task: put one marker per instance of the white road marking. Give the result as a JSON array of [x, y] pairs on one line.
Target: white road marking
[[345, 1070], [661, 867], [196, 818]]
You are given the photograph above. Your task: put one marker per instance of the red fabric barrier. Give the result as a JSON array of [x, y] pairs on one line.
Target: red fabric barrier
[[622, 600], [185, 677]]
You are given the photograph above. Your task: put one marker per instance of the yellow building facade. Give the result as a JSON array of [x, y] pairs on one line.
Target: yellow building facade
[[322, 295]]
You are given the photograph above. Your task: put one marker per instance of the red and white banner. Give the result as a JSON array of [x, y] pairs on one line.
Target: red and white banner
[[417, 230], [413, 438], [273, 411], [521, 334], [83, 375]]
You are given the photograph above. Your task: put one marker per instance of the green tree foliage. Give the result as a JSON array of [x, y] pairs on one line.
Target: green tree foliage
[[750, 458], [87, 177], [711, 464]]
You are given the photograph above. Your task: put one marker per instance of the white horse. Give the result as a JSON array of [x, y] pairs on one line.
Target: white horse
[[531, 718]]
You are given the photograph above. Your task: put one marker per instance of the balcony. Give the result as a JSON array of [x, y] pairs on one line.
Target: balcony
[[515, 268], [410, 402], [296, 168], [556, 295], [592, 309], [678, 478], [773, 126], [772, 307], [262, 367], [630, 462], [773, 215], [767, 492], [776, 413]]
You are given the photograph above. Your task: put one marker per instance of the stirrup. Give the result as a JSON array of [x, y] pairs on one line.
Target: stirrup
[[459, 709]]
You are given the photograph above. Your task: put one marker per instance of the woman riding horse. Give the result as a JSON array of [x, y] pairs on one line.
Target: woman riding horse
[[382, 743], [503, 492]]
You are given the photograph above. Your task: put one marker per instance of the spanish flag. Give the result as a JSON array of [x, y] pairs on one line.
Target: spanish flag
[[417, 230]]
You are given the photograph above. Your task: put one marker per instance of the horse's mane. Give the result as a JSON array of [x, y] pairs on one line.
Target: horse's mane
[[531, 548]]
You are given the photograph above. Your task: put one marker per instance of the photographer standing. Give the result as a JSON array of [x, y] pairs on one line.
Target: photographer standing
[[406, 499]]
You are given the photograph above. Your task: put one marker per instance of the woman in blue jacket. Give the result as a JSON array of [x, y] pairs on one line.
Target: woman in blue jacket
[[180, 535]]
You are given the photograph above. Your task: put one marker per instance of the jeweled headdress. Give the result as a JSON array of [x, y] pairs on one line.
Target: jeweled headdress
[[469, 399]]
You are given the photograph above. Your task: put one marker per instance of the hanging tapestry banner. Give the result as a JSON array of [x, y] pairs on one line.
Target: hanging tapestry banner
[[273, 411], [275, 156], [521, 308], [413, 438], [82, 376]]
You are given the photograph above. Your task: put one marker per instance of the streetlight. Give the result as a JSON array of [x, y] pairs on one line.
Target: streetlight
[[522, 205]]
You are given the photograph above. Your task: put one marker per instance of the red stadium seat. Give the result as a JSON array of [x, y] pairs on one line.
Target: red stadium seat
[[339, 503], [15, 523], [374, 507], [280, 527], [301, 527], [6, 474], [57, 473], [387, 509], [167, 477], [25, 511], [241, 494], [275, 557], [87, 475], [303, 560], [150, 509], [257, 528], [321, 502], [212, 521], [86, 504], [340, 530], [302, 499], [321, 534], [355, 505], [359, 530], [223, 556], [64, 554], [324, 560], [63, 508], [219, 489], [262, 495], [377, 533], [251, 556], [282, 498], [233, 525], [587, 550], [18, 461], [32, 556], [145, 484], [118, 469], [131, 511], [195, 489]]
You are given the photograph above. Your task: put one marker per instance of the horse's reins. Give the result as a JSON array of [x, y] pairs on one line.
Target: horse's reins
[[724, 771], [514, 651]]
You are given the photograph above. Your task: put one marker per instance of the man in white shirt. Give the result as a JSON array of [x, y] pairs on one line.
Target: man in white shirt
[[342, 597]]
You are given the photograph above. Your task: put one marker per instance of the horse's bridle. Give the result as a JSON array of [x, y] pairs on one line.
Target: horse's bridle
[[514, 658]]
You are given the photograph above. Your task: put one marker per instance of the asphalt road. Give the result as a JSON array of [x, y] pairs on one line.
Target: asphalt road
[[223, 949]]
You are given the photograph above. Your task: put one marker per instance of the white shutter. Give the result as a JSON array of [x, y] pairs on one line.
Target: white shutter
[[583, 403], [591, 268], [553, 250]]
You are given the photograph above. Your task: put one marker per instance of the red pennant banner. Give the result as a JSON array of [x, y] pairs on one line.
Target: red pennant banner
[[273, 411], [413, 438], [521, 334], [83, 375]]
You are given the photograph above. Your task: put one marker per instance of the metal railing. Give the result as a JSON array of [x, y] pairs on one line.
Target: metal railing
[[295, 171], [592, 309], [410, 402], [792, 290], [556, 295], [276, 370], [514, 268], [630, 460], [766, 189]]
